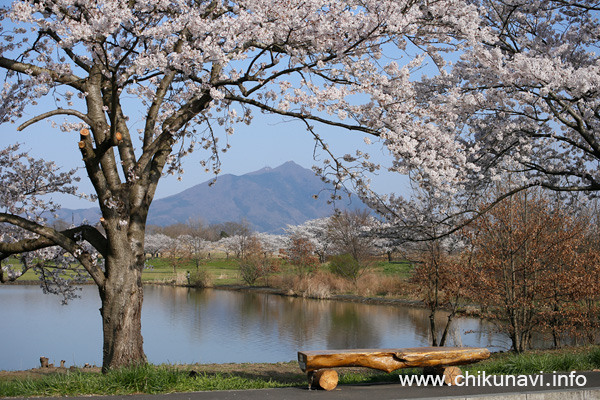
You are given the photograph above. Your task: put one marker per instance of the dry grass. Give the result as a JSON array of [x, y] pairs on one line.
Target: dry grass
[[372, 284], [323, 285], [181, 278]]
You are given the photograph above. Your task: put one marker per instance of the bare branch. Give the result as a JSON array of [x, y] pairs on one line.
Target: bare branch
[[52, 113], [301, 116]]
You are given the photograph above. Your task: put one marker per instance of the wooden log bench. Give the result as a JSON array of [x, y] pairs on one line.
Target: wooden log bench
[[435, 360]]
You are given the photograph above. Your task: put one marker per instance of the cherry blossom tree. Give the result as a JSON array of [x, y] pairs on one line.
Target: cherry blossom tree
[[237, 242], [528, 100], [270, 243], [523, 100], [315, 231], [156, 243], [26, 181], [349, 233], [230, 245], [197, 69], [387, 246], [197, 248]]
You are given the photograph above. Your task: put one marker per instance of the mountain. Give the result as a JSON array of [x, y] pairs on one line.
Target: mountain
[[269, 199]]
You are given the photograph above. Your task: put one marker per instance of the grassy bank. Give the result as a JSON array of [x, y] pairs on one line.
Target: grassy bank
[[382, 279], [225, 271], [145, 379], [168, 378]]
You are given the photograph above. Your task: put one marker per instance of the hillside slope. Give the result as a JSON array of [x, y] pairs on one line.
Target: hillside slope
[[269, 199]]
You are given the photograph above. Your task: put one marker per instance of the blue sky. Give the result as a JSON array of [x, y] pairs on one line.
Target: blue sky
[[269, 141]]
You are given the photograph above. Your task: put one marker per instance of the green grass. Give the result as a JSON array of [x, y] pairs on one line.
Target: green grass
[[222, 271], [30, 275], [572, 359], [398, 268], [168, 379], [143, 379], [225, 271]]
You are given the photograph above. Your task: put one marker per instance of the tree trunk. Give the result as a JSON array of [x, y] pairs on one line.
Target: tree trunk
[[121, 312], [446, 330], [433, 328]]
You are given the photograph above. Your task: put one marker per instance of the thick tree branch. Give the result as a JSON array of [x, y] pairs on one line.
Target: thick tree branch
[[87, 232], [33, 70], [119, 132], [154, 109], [59, 239], [170, 127], [159, 97], [101, 129]]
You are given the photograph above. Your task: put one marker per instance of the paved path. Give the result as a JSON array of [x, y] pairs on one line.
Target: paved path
[[591, 390]]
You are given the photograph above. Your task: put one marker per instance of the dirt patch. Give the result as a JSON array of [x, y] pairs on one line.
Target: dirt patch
[[288, 372], [37, 373], [285, 372]]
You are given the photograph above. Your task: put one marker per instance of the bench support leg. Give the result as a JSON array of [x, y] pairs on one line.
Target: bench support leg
[[311, 377], [323, 378]]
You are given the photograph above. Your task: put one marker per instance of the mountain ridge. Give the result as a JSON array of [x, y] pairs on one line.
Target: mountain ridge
[[268, 199]]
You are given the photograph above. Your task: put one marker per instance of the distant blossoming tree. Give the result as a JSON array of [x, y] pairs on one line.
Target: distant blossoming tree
[[314, 231], [155, 244], [270, 243], [196, 247], [197, 68]]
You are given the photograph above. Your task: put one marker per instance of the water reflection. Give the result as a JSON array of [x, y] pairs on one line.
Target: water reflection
[[183, 325]]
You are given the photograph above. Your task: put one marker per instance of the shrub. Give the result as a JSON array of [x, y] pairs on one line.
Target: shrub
[[254, 264], [250, 270], [301, 254], [200, 278], [346, 266]]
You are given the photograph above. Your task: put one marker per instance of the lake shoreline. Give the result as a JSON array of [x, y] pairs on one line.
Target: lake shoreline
[[338, 297], [469, 311]]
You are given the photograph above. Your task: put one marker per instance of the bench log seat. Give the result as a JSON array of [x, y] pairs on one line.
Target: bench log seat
[[434, 359]]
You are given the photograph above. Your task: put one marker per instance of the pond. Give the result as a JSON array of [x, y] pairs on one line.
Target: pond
[[182, 325]]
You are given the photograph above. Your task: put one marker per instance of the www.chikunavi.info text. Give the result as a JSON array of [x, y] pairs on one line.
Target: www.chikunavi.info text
[[482, 379]]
